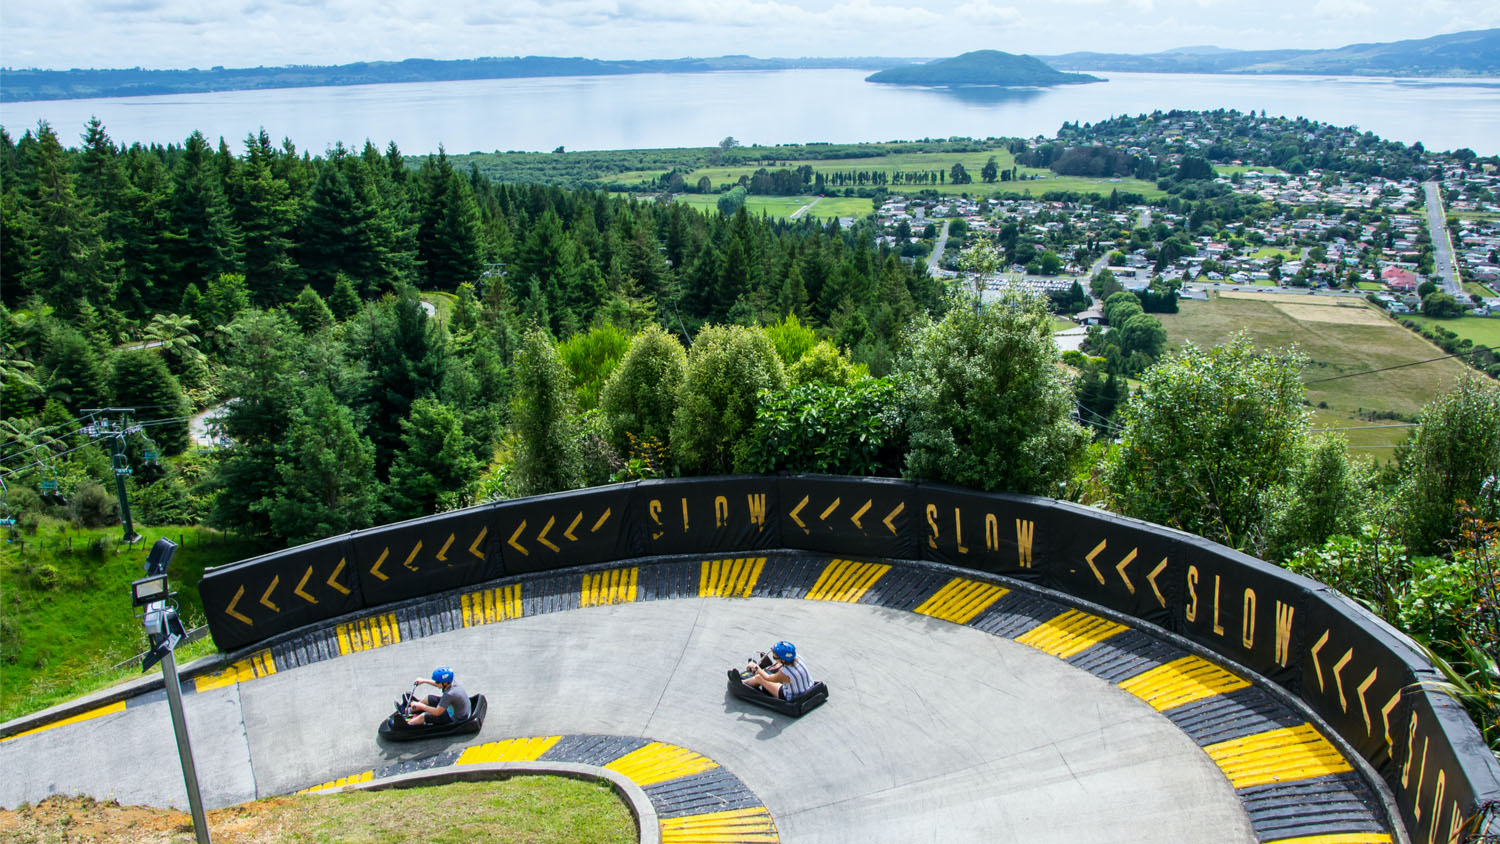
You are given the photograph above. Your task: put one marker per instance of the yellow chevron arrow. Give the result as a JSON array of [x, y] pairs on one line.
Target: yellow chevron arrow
[[798, 509], [893, 514], [303, 583], [474, 546], [829, 512], [239, 593], [602, 519], [442, 554], [542, 537], [569, 532], [1090, 558], [513, 537], [858, 514], [266, 598], [1151, 579], [412, 556], [375, 569], [333, 578], [1121, 570]]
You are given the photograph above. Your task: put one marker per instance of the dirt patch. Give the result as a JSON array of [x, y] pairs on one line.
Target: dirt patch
[[1296, 299], [1304, 312]]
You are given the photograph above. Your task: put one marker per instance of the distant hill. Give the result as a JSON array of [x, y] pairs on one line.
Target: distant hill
[[30, 84], [981, 67], [1475, 53]]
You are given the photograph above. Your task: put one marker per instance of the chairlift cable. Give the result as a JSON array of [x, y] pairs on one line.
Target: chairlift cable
[[1402, 365]]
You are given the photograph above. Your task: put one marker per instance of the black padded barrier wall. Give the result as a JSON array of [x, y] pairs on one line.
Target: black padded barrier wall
[[848, 516], [1365, 680], [261, 597], [563, 529], [704, 516], [427, 555]]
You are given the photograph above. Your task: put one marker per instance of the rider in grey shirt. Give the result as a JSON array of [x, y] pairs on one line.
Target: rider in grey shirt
[[451, 706]]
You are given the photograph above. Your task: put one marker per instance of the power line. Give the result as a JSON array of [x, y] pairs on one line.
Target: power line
[[1401, 365]]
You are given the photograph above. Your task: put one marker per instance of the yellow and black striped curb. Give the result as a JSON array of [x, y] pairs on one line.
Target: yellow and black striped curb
[[693, 799], [1295, 785]]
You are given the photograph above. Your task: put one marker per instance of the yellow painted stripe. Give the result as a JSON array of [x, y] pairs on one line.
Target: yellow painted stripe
[[602, 588], [341, 781], [1338, 838], [108, 709], [510, 750], [488, 606], [1284, 755], [657, 762], [258, 664], [729, 578], [747, 825], [1182, 681], [846, 581], [961, 599], [1070, 633], [367, 634]]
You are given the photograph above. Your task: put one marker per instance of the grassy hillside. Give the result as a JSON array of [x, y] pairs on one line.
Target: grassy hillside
[[65, 613], [1339, 340]]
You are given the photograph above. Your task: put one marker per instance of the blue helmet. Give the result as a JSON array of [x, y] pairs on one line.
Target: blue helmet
[[442, 675], [785, 651]]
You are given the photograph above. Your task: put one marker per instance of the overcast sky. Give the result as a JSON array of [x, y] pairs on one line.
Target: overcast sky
[[61, 34]]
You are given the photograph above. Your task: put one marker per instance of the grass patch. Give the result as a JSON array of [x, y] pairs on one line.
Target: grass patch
[[1273, 251], [1482, 330], [1334, 347], [1369, 285], [521, 810], [442, 303], [1044, 181], [1474, 288], [781, 207], [842, 206], [65, 612]]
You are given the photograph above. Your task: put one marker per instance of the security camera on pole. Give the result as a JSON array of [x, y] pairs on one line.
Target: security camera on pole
[[165, 629]]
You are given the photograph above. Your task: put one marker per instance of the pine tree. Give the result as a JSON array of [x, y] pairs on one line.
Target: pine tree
[[310, 311], [436, 467], [203, 241], [71, 260], [326, 474], [142, 380]]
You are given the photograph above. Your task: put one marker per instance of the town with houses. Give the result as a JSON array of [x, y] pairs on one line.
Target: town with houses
[[1320, 236]]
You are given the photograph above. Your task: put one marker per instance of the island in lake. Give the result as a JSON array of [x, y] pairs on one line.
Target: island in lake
[[981, 67]]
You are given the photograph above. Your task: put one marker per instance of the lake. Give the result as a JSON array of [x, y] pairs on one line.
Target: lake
[[765, 107]]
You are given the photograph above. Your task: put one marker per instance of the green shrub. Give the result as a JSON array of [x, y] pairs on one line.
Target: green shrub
[[92, 506]]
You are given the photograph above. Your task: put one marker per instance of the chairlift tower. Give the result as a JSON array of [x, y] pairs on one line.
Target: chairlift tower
[[116, 430]]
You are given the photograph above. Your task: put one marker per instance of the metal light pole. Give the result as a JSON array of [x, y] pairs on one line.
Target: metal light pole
[[165, 629]]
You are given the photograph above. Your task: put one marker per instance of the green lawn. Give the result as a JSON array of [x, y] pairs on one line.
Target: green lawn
[[785, 206], [1477, 289], [1341, 344], [1369, 285], [1484, 331], [1045, 181], [1273, 251]]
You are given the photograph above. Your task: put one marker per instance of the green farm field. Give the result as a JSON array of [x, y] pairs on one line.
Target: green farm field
[[1484, 331], [785, 206], [1038, 181], [1338, 340]]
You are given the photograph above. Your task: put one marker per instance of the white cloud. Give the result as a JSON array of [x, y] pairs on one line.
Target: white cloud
[[183, 33]]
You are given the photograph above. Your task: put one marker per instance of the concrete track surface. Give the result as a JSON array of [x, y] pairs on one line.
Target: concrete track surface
[[995, 728]]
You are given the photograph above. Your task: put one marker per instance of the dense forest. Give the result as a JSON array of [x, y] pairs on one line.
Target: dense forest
[[283, 287]]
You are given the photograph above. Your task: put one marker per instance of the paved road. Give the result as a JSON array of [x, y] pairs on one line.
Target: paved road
[[1442, 245], [937, 250], [933, 732], [804, 209]]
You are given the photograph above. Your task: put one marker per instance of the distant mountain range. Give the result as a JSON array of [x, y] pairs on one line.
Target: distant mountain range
[[981, 67], [1475, 53]]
